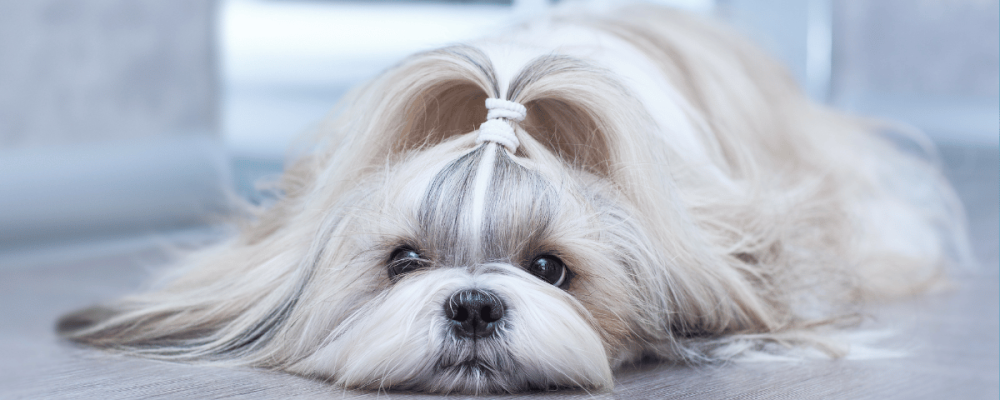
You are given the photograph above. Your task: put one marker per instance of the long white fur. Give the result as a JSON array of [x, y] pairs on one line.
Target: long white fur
[[707, 209]]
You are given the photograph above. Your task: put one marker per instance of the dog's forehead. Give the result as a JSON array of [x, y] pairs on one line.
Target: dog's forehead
[[482, 207]]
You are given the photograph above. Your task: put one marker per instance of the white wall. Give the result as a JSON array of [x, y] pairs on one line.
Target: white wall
[[107, 119]]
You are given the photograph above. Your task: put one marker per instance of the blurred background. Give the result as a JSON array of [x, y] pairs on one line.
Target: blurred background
[[122, 120]]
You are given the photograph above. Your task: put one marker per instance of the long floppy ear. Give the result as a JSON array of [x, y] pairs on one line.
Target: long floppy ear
[[692, 287], [209, 313], [226, 303]]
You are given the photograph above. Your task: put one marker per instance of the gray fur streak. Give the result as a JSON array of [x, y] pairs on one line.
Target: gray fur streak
[[520, 205], [445, 204], [520, 208], [259, 334]]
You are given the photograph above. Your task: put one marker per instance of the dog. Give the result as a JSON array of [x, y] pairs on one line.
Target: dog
[[536, 209]]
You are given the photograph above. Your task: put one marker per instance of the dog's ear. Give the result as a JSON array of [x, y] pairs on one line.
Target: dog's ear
[[224, 303], [223, 327], [78, 321], [164, 332], [601, 128]]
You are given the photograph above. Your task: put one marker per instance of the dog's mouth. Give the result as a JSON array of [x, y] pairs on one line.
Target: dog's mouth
[[473, 367], [480, 360], [487, 356], [482, 366]]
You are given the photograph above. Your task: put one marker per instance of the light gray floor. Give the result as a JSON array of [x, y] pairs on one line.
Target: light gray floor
[[952, 338]]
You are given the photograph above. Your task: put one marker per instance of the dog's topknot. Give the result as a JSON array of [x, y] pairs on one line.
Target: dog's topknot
[[498, 131]]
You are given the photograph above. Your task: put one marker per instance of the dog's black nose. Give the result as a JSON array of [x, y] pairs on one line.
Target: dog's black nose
[[474, 313]]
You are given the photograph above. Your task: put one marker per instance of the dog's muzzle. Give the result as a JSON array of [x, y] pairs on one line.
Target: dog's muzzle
[[474, 313]]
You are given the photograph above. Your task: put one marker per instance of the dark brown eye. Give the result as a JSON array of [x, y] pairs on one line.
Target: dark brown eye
[[403, 260], [550, 269]]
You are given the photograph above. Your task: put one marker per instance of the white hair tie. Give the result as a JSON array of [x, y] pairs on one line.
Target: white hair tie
[[498, 131], [500, 108]]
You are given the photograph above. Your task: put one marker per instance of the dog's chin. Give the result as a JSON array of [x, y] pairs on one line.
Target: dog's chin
[[401, 340], [483, 365]]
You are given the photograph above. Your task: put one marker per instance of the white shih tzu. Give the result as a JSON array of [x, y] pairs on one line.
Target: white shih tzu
[[535, 210]]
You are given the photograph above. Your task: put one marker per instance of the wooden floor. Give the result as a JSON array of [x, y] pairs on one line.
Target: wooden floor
[[950, 339]]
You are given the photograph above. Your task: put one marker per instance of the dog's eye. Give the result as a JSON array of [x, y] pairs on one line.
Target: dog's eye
[[551, 269], [404, 259]]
